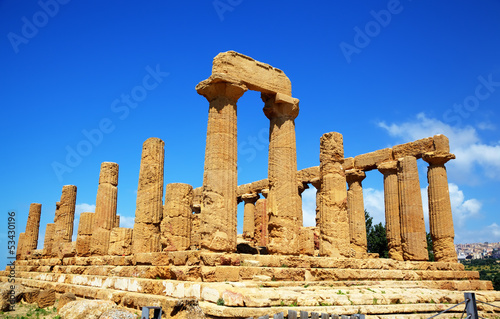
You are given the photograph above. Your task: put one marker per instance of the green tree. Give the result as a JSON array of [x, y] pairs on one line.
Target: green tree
[[376, 237], [430, 247]]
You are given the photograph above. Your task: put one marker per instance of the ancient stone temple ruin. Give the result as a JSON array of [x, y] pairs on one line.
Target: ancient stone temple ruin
[[184, 243]]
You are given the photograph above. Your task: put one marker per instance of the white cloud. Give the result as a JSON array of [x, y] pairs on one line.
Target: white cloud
[[309, 207], [81, 208], [486, 126], [490, 233], [126, 222], [472, 154], [84, 208]]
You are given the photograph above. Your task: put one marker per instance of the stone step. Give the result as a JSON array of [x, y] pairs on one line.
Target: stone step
[[202, 258], [242, 273], [251, 294]]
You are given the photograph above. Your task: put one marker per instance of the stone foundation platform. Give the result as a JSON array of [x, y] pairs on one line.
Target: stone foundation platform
[[240, 286]]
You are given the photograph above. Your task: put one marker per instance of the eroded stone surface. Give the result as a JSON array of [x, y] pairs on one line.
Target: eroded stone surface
[[32, 227], [283, 203], [391, 202], [149, 206], [64, 216], [120, 241], [249, 214], [413, 237], [84, 236], [176, 223], [440, 216], [49, 239], [334, 223], [219, 204], [356, 212], [255, 75]]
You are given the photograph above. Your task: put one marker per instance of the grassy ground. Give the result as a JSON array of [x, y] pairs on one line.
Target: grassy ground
[[30, 311]]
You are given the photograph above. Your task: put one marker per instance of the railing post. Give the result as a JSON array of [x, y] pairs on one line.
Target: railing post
[[470, 305], [292, 314], [304, 315]]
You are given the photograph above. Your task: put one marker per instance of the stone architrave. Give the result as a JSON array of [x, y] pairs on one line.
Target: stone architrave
[[334, 222], [261, 220], [65, 215], [149, 205], [391, 200], [413, 237], [440, 215], [220, 178], [32, 227], [285, 214], [356, 211], [48, 240], [84, 235], [105, 208], [249, 214], [177, 211]]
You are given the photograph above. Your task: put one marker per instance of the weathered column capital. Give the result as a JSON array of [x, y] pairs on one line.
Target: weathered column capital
[[265, 192], [435, 158], [354, 175], [250, 198], [388, 168], [221, 85], [280, 105]]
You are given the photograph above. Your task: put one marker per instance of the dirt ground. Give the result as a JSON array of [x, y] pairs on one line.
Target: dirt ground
[[30, 311]]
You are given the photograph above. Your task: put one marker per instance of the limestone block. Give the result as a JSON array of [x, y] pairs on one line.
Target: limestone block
[[99, 244], [117, 221], [83, 245], [260, 222], [86, 223], [85, 309], [306, 175], [120, 242], [370, 160], [109, 173], [306, 238], [256, 75], [31, 295], [65, 250], [46, 298], [20, 247], [177, 211], [105, 208], [65, 215], [118, 314], [64, 299], [441, 143], [195, 231], [416, 148], [146, 238], [348, 163]]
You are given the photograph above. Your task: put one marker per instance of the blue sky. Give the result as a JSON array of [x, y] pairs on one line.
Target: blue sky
[[96, 79]]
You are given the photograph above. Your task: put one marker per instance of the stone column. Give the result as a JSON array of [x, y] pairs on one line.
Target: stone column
[[65, 215], [195, 227], [117, 221], [334, 223], [391, 201], [105, 209], [283, 204], [356, 211], [413, 237], [176, 223], [440, 216], [249, 215], [220, 183], [301, 188], [20, 253], [149, 206], [32, 227], [48, 240], [261, 220], [84, 236]]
